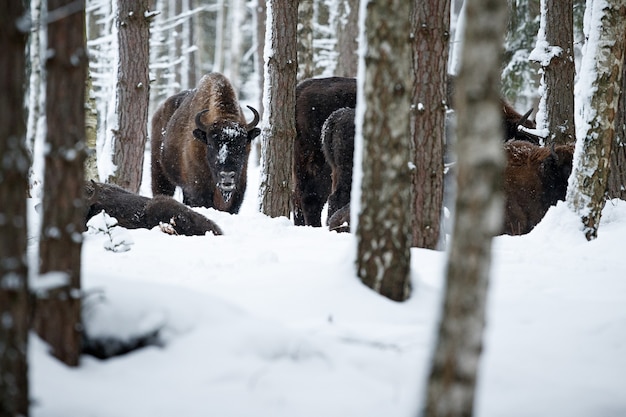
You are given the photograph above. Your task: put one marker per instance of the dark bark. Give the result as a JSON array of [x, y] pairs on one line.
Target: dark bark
[[133, 93], [13, 229], [617, 172], [347, 38], [478, 214], [279, 131], [57, 319], [431, 28], [383, 232]]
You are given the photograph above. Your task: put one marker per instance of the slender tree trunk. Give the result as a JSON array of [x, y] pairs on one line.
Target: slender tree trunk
[[431, 28], [13, 229], [279, 131], [220, 31], [617, 172], [384, 222], [347, 29], [58, 309], [588, 184], [306, 66], [133, 93], [478, 213], [555, 45]]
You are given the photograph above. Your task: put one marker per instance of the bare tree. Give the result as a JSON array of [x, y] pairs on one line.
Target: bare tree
[[431, 28], [601, 71], [306, 66], [133, 93], [478, 213], [57, 319], [279, 130], [383, 231], [347, 29], [555, 54], [13, 229], [617, 172]]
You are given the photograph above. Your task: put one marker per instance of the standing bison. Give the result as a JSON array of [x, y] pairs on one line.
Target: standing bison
[[316, 99], [201, 142]]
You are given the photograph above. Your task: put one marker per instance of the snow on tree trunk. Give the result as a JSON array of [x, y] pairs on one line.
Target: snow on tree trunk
[[555, 53], [133, 93], [279, 121], [383, 232], [431, 29], [598, 90], [14, 308], [57, 318], [478, 213]]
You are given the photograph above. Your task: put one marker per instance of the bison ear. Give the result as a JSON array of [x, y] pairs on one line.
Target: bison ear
[[253, 133], [200, 135]]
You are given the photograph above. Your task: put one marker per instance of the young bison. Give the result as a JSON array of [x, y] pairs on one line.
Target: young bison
[[133, 211]]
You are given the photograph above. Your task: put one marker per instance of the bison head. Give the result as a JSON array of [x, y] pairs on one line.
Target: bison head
[[228, 147]]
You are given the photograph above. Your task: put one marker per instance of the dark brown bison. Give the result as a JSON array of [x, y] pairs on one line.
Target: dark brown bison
[[338, 148], [316, 99], [535, 178], [133, 211], [201, 142]]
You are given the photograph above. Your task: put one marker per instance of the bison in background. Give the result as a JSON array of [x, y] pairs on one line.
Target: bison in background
[[201, 142], [133, 211], [316, 99], [535, 178]]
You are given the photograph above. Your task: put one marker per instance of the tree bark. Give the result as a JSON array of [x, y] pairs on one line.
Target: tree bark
[[57, 318], [431, 28], [588, 184], [306, 66], [347, 38], [279, 131], [383, 231], [478, 213], [617, 172], [556, 107], [13, 228]]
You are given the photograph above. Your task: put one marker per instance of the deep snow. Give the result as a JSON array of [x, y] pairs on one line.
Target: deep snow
[[270, 320]]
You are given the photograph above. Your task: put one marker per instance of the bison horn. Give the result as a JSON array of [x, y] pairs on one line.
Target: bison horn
[[255, 121], [199, 123], [525, 117]]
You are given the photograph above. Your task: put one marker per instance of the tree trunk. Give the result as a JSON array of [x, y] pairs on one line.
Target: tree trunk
[[347, 38], [617, 172], [555, 45], [13, 229], [57, 318], [279, 131], [220, 32], [133, 93], [431, 28], [478, 213], [383, 231], [306, 66], [588, 184]]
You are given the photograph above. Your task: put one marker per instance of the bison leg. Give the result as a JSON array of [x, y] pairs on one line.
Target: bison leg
[[160, 183]]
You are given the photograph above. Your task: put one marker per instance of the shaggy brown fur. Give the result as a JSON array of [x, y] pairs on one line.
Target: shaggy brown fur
[[201, 142], [535, 178], [133, 211]]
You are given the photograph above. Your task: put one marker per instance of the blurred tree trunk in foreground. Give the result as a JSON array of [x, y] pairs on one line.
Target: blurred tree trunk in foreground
[[478, 213]]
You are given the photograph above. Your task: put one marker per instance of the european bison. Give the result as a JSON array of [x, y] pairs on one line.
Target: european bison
[[133, 211], [535, 178], [338, 147], [316, 99], [201, 142]]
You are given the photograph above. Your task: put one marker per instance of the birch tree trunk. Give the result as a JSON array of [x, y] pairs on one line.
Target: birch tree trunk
[[13, 228], [57, 318], [603, 68], [478, 213], [555, 46], [133, 93], [279, 122], [384, 222], [430, 21]]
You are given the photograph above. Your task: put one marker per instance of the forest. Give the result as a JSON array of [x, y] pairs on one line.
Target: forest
[[314, 207]]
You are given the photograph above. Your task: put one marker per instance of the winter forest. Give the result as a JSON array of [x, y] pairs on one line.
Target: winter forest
[[313, 208]]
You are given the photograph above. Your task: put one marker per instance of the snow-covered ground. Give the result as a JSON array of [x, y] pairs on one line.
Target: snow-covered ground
[[270, 320]]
